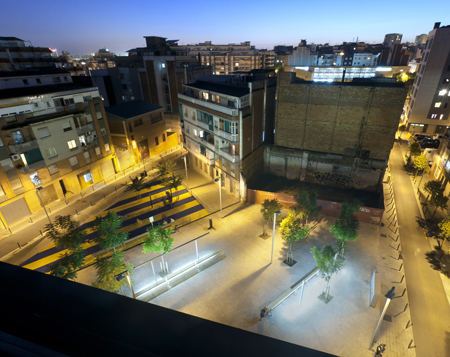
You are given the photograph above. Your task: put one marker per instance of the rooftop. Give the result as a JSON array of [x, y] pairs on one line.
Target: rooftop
[[131, 109], [220, 88], [9, 39], [38, 90], [33, 72]]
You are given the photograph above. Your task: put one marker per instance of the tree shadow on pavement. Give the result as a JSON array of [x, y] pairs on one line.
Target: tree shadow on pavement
[[440, 261], [431, 229]]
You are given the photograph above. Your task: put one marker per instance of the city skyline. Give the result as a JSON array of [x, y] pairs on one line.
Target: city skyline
[[92, 26]]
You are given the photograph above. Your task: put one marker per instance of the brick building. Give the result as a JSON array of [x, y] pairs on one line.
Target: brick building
[[341, 133]]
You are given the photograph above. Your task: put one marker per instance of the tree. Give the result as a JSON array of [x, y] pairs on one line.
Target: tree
[[292, 230], [401, 129], [108, 230], [136, 185], [65, 233], [420, 162], [327, 264], [68, 266], [172, 184], [433, 188], [307, 204], [444, 233], [346, 226], [159, 239], [268, 209], [414, 150], [107, 271], [165, 167], [438, 201]]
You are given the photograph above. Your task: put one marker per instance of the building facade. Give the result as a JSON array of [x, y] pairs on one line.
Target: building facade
[[138, 132], [428, 109], [392, 39], [225, 121], [336, 134], [54, 136]]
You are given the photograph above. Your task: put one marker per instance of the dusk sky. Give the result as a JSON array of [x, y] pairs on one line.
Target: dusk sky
[[82, 27]]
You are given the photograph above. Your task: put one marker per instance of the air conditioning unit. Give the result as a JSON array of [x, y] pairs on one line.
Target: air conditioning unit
[[15, 157]]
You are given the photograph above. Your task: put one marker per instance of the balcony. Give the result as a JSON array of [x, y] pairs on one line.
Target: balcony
[[20, 148], [230, 137], [33, 167], [85, 128], [202, 125], [227, 155], [209, 104], [207, 144]]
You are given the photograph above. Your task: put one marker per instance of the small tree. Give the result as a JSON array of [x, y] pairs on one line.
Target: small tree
[[107, 271], [346, 226], [292, 230], [172, 184], [136, 185], [307, 204], [159, 239], [68, 266], [65, 233], [438, 201], [108, 230], [420, 162], [444, 233], [432, 188], [165, 167], [268, 209], [327, 264], [414, 150], [401, 129]]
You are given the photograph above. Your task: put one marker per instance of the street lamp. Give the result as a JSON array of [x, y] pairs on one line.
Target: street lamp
[[185, 166], [126, 274], [277, 213], [40, 198], [142, 157], [389, 295], [219, 180]]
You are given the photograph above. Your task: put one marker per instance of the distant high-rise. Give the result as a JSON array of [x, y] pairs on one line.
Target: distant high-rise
[[428, 109], [420, 39], [392, 39]]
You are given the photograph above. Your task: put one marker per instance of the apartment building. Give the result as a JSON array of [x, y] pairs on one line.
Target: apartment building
[[15, 55], [225, 122], [392, 39], [138, 131], [335, 134], [226, 59], [54, 137], [428, 109], [154, 73]]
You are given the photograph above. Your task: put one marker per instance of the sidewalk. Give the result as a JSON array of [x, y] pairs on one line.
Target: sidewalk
[[83, 206]]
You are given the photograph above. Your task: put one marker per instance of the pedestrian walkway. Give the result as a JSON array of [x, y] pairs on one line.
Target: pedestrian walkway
[[430, 311]]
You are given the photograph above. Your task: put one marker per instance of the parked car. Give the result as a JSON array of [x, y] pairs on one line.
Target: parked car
[[430, 144], [438, 136], [420, 136]]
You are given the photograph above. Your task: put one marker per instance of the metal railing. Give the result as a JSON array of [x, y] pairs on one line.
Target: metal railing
[[33, 167], [209, 104], [85, 128], [226, 154]]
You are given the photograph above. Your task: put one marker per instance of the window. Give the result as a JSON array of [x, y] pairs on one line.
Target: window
[[443, 92], [154, 118], [1, 143], [164, 137], [25, 81], [43, 132], [202, 150], [56, 79], [163, 65], [72, 144], [441, 116], [73, 161], [82, 139], [38, 81], [97, 151], [205, 95], [52, 169], [200, 133], [195, 132], [156, 141], [103, 131], [87, 157], [17, 136], [107, 148], [437, 104], [137, 122], [50, 152], [433, 116], [87, 177], [69, 101], [67, 126]]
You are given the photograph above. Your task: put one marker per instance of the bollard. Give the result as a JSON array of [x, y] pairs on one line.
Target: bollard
[[41, 232], [91, 203], [403, 294], [408, 324], [210, 224], [49, 210], [19, 245], [104, 196], [409, 346], [31, 220]]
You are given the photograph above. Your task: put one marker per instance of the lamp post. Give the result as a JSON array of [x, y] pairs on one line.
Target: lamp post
[[142, 157], [40, 198], [220, 192], [277, 213], [185, 166], [126, 275], [389, 295]]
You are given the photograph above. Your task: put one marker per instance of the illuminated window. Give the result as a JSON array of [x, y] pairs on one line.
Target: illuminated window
[[442, 92], [441, 116], [73, 161], [107, 148], [437, 104], [163, 65], [72, 144], [433, 116], [50, 152], [97, 151]]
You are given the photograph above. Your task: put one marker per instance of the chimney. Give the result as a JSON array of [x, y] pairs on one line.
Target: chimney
[[436, 25]]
